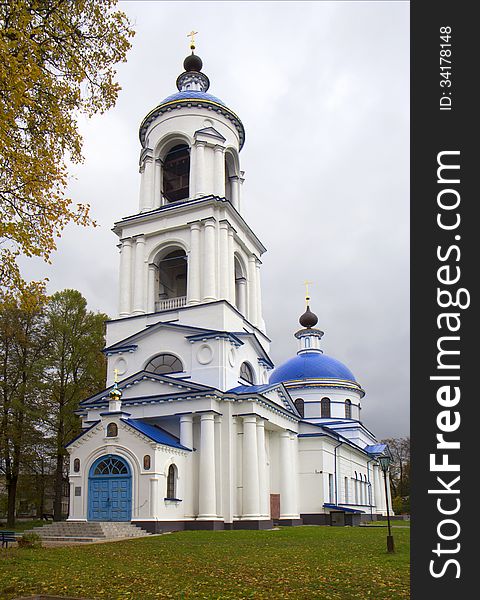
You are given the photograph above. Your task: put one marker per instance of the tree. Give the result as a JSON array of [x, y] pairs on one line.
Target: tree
[[22, 343], [57, 61], [74, 368], [400, 466]]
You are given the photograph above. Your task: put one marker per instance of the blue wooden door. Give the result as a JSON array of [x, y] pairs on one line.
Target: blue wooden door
[[110, 490]]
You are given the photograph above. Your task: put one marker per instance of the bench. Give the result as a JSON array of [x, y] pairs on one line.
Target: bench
[[7, 537]]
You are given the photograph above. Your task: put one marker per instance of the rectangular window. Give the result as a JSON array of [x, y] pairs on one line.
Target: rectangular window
[[356, 491], [330, 487], [347, 500]]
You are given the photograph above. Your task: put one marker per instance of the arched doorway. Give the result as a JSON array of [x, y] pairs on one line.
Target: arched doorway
[[110, 490]]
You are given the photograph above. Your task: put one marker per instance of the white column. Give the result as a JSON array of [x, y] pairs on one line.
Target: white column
[[151, 288], [219, 171], [258, 293], [200, 169], [193, 271], [224, 291], [231, 266], [186, 439], [147, 183], [242, 296], [241, 181], [262, 469], [206, 492], [157, 187], [287, 481], [252, 290], [235, 191], [153, 497], [251, 495], [186, 431], [218, 464], [209, 255], [139, 287], [125, 307]]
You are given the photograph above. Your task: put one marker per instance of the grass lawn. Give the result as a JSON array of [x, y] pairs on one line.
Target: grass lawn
[[328, 563]]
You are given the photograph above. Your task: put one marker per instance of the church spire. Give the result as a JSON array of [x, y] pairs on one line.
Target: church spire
[[192, 79], [309, 337]]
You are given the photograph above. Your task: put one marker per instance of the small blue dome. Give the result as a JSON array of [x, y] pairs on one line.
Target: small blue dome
[[193, 95], [311, 365]]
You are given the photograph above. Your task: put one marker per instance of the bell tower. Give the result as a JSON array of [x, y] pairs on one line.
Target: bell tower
[[188, 245]]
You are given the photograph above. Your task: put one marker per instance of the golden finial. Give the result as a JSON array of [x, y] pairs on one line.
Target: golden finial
[[192, 35], [307, 292], [115, 375]]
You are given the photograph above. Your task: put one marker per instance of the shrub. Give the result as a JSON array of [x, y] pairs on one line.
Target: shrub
[[30, 540], [397, 505]]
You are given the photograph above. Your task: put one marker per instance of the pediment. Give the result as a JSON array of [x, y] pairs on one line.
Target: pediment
[[145, 384], [210, 132]]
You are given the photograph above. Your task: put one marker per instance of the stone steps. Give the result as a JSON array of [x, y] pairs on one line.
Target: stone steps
[[78, 531]]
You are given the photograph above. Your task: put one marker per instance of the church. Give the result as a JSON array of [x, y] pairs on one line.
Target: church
[[197, 428]]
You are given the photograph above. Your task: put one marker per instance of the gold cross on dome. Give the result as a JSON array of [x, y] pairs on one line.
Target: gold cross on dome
[[307, 292], [192, 35], [115, 372]]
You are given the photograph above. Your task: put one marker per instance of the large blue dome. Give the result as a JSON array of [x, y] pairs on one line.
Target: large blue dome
[[311, 365]]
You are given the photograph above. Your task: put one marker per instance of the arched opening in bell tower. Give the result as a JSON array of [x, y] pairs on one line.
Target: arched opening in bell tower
[[240, 287], [171, 288], [176, 173]]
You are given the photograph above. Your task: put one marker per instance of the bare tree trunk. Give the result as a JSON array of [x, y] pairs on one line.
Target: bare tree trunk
[[58, 485], [11, 481]]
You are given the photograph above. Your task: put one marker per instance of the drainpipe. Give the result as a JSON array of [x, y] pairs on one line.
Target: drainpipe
[[335, 469], [370, 488]]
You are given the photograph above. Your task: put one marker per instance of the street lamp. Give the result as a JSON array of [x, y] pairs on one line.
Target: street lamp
[[384, 465]]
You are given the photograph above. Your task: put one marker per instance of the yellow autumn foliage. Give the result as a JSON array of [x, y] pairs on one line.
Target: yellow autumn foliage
[[57, 61]]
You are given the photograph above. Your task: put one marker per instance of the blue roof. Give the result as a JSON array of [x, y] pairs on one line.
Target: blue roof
[[311, 365], [375, 448], [190, 94], [342, 508], [249, 389], [155, 433]]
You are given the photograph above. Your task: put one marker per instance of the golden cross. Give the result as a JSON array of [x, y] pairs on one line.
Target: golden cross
[[307, 293], [192, 35], [115, 379]]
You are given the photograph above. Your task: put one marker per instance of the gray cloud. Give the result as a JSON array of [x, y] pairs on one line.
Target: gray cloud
[[323, 91]]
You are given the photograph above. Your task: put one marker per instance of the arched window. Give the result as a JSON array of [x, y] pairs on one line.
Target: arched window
[[348, 409], [112, 430], [76, 465], [171, 280], [163, 364], [176, 174], [325, 408], [111, 466], [300, 406], [172, 482], [246, 373], [147, 462]]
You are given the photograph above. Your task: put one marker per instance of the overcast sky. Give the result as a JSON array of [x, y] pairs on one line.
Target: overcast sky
[[323, 91]]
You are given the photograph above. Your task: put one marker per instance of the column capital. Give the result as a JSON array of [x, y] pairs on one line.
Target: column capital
[[209, 221], [219, 148], [126, 241], [195, 225], [249, 418], [200, 143]]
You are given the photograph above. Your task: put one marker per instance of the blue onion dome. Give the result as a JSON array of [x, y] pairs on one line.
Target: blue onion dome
[[311, 365], [192, 87]]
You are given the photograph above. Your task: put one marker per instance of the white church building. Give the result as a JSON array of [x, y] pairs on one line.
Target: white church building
[[197, 429]]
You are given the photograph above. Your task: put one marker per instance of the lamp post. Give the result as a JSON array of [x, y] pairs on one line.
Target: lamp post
[[384, 465]]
